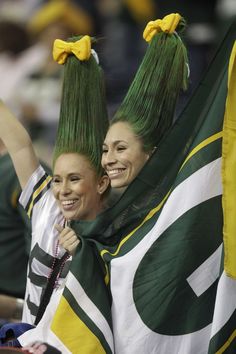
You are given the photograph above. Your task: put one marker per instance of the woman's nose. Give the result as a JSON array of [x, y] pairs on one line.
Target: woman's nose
[[65, 187], [110, 157]]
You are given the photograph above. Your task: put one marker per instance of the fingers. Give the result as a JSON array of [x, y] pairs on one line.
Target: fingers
[[67, 238], [72, 247], [58, 227]]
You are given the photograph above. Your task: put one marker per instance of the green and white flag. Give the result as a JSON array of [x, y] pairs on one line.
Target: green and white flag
[[148, 277]]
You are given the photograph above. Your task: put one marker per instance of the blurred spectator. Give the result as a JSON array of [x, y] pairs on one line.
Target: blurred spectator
[[40, 348], [226, 9], [14, 241], [17, 59], [66, 12], [35, 348], [18, 11], [226, 12], [11, 309]]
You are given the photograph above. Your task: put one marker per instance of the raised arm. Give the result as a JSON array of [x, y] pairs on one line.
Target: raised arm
[[18, 144]]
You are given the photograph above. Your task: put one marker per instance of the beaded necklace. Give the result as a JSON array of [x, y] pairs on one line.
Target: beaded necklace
[[52, 281], [55, 258]]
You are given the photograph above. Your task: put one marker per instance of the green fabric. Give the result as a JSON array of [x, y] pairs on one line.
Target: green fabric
[[14, 233]]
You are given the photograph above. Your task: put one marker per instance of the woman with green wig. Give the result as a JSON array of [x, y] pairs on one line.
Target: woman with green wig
[[148, 110], [76, 189]]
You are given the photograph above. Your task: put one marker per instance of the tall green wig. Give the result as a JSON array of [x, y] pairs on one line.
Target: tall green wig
[[83, 120], [149, 105]]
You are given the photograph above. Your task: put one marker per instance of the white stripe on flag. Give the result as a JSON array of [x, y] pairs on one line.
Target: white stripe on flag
[[205, 275], [89, 308]]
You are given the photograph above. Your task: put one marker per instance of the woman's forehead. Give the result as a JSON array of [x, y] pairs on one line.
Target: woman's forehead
[[119, 131], [72, 163]]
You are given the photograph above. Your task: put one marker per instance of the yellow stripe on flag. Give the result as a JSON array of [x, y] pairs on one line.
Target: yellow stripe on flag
[[204, 143], [227, 343], [73, 333], [229, 170]]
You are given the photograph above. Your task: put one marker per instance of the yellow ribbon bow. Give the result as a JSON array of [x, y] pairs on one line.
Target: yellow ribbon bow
[[81, 49], [168, 25]]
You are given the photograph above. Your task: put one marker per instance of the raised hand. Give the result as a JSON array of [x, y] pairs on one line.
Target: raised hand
[[67, 238]]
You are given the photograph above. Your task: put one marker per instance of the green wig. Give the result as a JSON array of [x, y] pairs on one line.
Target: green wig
[[83, 121], [149, 105]]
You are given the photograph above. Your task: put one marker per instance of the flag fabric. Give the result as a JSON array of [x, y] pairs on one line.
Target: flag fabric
[[148, 276], [223, 334], [229, 168]]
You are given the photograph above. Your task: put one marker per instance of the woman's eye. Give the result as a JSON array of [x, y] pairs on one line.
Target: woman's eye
[[55, 180], [74, 178], [104, 150], [121, 148]]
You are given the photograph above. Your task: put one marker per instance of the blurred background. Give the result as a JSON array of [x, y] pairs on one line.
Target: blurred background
[[31, 81]]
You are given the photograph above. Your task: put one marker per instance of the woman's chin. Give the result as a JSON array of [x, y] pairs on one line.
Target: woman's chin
[[117, 183], [118, 187]]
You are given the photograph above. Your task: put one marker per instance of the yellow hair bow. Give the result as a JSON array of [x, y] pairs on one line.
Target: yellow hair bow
[[168, 25], [81, 49]]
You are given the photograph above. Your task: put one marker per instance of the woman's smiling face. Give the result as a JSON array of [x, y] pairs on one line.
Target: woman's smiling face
[[77, 188], [123, 155]]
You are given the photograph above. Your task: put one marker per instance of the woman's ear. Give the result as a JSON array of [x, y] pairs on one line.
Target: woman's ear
[[103, 184]]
